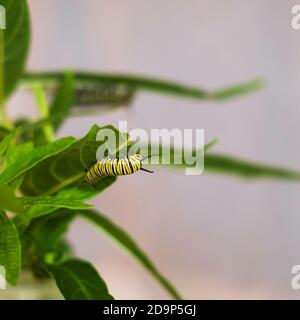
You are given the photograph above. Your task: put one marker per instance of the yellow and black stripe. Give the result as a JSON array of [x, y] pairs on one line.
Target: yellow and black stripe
[[114, 167]]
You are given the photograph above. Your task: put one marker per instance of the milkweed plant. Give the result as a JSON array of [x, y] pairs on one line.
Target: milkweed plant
[[42, 179]]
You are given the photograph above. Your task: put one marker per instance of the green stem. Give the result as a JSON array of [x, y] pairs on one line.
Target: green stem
[[42, 104]]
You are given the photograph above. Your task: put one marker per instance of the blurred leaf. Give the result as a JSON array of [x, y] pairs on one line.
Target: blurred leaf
[[66, 169], [49, 79], [26, 128], [10, 249], [63, 100], [9, 201], [238, 90], [225, 164], [4, 132], [16, 41], [125, 241], [28, 161], [45, 133], [210, 144], [16, 151], [16, 183], [6, 142], [43, 240], [49, 231], [81, 191], [32, 130], [79, 280]]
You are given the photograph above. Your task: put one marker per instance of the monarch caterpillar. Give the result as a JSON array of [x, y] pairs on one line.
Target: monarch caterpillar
[[114, 167], [104, 94]]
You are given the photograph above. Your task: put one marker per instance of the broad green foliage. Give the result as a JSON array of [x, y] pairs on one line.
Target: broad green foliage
[[16, 38], [43, 241], [68, 198], [240, 89], [48, 232], [10, 249], [79, 280]]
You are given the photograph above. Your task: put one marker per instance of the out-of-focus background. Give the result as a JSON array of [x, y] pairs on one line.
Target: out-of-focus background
[[213, 236]]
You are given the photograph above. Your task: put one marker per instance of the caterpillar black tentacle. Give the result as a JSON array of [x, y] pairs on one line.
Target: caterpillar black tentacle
[[114, 167], [150, 171]]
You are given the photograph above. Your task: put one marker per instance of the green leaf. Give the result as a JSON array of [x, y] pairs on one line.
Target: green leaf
[[84, 191], [79, 280], [9, 201], [43, 242], [124, 240], [16, 42], [6, 142], [210, 144], [50, 231], [46, 234], [238, 90], [66, 169], [225, 164], [63, 100], [15, 184], [12, 154], [26, 162], [10, 249], [4, 132], [42, 205], [16, 151], [47, 201], [30, 129], [81, 191], [142, 83]]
